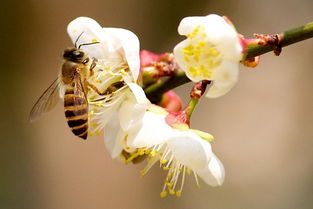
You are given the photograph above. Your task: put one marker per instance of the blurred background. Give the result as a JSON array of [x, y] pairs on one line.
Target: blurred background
[[263, 128]]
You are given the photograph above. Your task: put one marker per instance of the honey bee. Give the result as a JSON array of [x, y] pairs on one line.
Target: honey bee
[[73, 78]]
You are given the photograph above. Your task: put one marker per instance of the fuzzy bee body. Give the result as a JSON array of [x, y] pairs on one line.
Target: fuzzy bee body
[[76, 69], [76, 113]]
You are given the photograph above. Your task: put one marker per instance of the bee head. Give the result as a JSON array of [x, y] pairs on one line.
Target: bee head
[[74, 54]]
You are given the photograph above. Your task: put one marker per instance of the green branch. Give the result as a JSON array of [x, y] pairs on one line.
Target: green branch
[[155, 91], [288, 37]]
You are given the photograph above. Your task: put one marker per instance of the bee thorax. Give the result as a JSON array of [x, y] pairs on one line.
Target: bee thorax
[[68, 70]]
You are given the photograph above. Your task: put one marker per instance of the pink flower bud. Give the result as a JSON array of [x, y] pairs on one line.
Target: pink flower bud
[[171, 102]]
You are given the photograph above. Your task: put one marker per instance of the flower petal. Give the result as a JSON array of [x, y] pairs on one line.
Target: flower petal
[[128, 45], [231, 48], [190, 150], [113, 137], [153, 131], [224, 78], [224, 36], [133, 109], [90, 31], [138, 93], [183, 64], [214, 173], [188, 24], [217, 30]]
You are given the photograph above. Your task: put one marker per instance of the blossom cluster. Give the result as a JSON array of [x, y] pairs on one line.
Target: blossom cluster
[[137, 130]]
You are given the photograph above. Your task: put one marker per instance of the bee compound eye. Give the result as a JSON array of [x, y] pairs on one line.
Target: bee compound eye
[[66, 53]]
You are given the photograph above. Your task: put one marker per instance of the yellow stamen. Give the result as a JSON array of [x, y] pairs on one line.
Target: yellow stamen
[[97, 80], [123, 72], [147, 151], [111, 73], [187, 171], [187, 59], [163, 161], [163, 194], [178, 193], [141, 151], [194, 33], [153, 153], [99, 104], [169, 185], [133, 155], [172, 191]]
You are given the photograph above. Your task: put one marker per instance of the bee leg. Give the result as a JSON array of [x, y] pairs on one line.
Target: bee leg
[[93, 65], [115, 86], [93, 87]]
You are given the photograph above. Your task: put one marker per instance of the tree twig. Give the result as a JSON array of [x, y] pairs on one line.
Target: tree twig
[[155, 91]]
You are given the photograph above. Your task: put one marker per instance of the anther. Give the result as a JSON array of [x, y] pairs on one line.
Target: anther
[[163, 194], [178, 193]]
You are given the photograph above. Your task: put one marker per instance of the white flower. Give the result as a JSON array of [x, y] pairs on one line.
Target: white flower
[[179, 151], [128, 118], [117, 68], [212, 51], [118, 48]]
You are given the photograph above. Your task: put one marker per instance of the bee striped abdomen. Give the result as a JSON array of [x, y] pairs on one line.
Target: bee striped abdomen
[[76, 113]]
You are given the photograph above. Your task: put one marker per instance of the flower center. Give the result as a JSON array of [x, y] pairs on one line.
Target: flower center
[[200, 55], [108, 79], [176, 170]]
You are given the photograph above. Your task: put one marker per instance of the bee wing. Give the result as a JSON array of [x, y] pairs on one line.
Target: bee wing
[[80, 98], [46, 101]]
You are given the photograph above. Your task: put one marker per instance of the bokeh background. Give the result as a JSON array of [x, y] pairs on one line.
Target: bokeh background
[[263, 128]]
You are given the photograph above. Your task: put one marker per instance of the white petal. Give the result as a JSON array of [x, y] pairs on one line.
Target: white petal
[[113, 137], [218, 30], [179, 58], [225, 77], [227, 72], [230, 46], [129, 46], [219, 89], [153, 131], [139, 93], [214, 173], [86, 25], [188, 24], [90, 31], [130, 114], [103, 114], [190, 150], [133, 109]]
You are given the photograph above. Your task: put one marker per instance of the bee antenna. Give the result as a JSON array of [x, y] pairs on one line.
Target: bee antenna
[[78, 38], [86, 44]]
